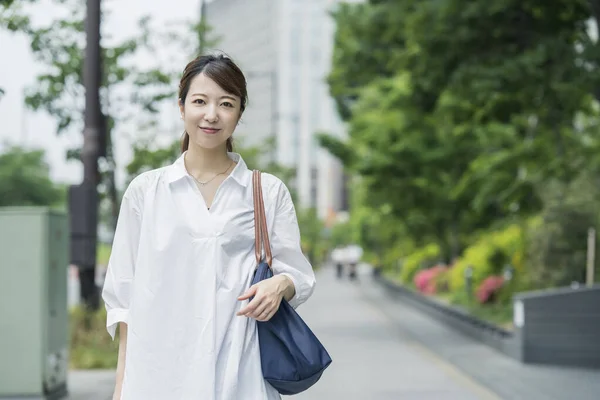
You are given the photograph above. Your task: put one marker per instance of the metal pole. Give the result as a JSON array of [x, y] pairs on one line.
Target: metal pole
[[83, 198], [591, 256]]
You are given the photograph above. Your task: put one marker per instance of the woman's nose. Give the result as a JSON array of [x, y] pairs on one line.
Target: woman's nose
[[211, 114]]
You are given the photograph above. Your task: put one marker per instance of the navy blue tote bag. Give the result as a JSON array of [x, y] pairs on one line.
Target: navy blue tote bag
[[292, 358]]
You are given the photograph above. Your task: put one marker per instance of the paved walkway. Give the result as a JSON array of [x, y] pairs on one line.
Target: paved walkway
[[384, 349], [370, 359], [91, 385], [509, 378]]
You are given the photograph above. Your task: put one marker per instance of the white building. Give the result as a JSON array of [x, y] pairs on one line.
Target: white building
[[284, 47]]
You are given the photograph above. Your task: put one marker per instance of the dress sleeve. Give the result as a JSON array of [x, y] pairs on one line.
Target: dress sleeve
[[118, 282], [288, 258]]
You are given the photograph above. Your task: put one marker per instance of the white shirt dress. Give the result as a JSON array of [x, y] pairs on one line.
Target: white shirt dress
[[174, 275]]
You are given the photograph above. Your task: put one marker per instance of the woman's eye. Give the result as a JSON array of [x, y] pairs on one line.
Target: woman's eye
[[199, 101], [227, 104]]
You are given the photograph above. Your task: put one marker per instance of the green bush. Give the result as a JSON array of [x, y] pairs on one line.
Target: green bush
[[488, 256], [558, 248], [103, 253], [421, 258], [91, 347]]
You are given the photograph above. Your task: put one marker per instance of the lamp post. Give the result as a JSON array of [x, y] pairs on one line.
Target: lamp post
[[83, 198], [469, 283], [508, 272]]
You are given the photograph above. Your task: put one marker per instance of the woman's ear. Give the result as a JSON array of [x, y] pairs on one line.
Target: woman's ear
[[181, 108]]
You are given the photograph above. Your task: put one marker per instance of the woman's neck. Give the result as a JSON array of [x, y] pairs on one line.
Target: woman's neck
[[200, 161]]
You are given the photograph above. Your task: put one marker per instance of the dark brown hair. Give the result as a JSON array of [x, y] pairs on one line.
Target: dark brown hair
[[224, 72]]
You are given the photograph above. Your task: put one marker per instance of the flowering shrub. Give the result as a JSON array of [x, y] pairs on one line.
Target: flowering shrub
[[426, 280], [489, 288], [488, 254], [420, 256]]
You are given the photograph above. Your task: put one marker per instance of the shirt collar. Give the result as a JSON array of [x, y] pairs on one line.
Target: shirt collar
[[177, 170]]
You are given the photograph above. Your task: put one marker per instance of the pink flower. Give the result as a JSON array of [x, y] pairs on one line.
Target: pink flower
[[425, 280], [489, 288]]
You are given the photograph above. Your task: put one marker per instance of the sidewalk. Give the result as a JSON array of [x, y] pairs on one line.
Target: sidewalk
[[507, 377], [91, 385], [371, 359]]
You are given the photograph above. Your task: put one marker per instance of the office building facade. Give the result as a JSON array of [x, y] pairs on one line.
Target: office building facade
[[284, 47]]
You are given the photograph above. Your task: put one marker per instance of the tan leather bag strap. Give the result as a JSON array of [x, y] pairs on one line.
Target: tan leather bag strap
[[261, 233]]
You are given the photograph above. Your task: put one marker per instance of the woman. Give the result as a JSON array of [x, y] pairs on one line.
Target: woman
[[178, 280]]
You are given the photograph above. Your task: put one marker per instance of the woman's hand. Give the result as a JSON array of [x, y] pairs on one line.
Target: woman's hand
[[267, 297]]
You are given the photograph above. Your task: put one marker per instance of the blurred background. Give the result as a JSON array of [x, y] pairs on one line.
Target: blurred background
[[443, 156]]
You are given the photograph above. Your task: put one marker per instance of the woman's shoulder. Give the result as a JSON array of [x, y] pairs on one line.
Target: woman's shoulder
[[140, 184], [274, 189], [271, 182]]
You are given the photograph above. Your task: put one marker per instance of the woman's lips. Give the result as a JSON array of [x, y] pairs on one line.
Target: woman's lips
[[210, 131]]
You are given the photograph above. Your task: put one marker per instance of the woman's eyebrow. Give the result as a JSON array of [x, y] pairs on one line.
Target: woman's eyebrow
[[222, 97]]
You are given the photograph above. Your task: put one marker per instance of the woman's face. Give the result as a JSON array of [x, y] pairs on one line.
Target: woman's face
[[210, 114]]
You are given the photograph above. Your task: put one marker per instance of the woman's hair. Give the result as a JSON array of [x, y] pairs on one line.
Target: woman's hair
[[224, 72]]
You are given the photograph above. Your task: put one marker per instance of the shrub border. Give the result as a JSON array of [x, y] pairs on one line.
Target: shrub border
[[503, 340]]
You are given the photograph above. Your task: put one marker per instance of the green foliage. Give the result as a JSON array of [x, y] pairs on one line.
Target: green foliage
[[103, 253], [499, 313], [421, 258], [312, 235], [60, 46], [12, 16], [370, 34], [459, 113], [558, 247], [13, 19], [25, 180], [128, 94], [90, 345], [471, 128], [146, 157], [488, 255]]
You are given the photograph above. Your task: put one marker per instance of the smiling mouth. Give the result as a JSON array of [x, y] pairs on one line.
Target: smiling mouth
[[209, 130]]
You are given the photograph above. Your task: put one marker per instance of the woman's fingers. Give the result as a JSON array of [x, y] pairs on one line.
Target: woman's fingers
[[251, 307], [260, 310], [265, 303], [249, 293]]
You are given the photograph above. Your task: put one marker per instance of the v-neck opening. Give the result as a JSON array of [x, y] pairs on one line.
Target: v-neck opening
[[199, 192], [214, 198]]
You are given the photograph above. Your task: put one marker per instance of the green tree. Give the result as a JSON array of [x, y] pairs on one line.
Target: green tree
[[12, 15], [60, 91], [557, 254], [25, 180], [459, 110], [13, 19], [312, 234]]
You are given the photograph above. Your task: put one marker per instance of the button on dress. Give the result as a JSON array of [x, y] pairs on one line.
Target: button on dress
[[174, 275]]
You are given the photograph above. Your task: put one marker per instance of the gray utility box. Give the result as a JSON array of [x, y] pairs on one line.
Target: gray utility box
[[34, 251]]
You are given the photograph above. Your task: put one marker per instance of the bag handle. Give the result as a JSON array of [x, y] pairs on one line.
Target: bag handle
[[261, 233]]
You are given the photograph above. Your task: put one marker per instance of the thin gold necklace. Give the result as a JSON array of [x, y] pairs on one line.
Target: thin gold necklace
[[213, 178]]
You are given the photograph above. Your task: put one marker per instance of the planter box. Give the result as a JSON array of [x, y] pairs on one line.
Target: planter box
[[556, 327], [560, 326]]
